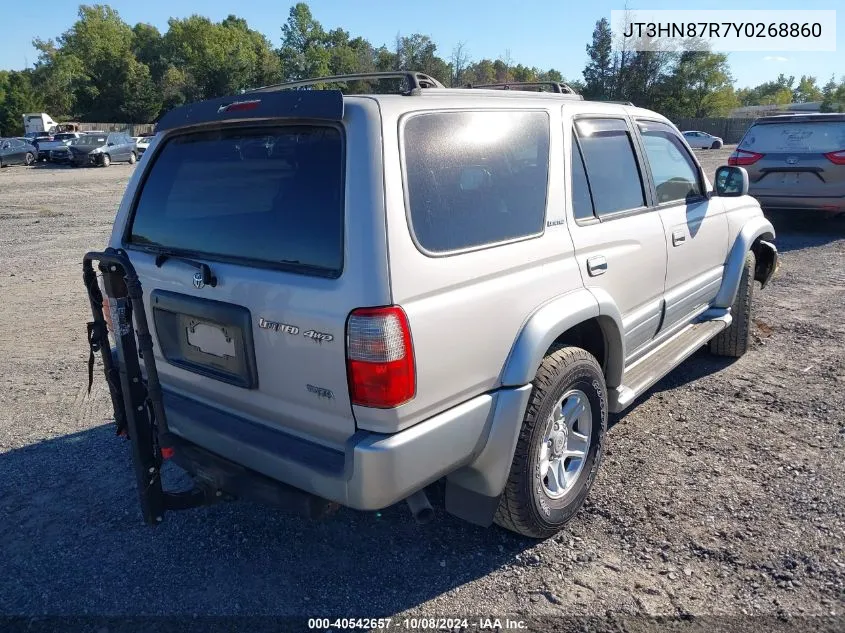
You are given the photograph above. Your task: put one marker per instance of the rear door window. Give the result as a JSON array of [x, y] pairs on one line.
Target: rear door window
[[476, 178], [612, 169], [809, 136], [272, 196]]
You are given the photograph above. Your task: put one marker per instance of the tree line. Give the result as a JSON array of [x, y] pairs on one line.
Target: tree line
[[102, 69]]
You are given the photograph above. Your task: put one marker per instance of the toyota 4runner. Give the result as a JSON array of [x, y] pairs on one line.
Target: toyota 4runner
[[321, 298]]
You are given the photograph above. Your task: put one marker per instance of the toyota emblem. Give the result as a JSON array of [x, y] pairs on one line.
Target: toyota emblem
[[198, 281]]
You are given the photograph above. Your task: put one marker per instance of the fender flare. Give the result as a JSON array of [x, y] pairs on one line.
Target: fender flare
[[758, 227], [554, 318], [473, 491]]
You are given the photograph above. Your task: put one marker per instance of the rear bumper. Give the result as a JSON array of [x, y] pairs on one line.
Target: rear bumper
[[800, 203], [371, 472]]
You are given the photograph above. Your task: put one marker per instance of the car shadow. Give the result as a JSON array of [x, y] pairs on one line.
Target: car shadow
[[802, 229], [74, 537], [702, 363]]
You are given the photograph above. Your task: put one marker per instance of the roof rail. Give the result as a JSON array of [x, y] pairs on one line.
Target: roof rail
[[557, 86], [625, 103], [415, 81]]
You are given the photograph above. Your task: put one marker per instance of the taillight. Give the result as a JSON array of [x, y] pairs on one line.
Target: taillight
[[837, 158], [380, 357], [741, 157]]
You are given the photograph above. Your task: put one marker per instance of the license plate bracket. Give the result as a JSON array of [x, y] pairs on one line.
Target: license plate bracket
[[205, 337]]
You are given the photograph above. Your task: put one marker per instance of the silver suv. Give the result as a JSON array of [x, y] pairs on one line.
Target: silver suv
[[342, 299], [795, 161]]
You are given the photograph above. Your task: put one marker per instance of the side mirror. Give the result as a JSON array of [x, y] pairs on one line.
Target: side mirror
[[731, 181], [111, 144], [6, 145]]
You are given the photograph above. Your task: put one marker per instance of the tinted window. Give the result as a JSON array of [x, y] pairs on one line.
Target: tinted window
[[582, 201], [611, 165], [476, 178], [265, 194], [807, 136], [674, 173]]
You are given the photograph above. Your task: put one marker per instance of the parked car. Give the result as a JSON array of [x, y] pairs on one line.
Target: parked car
[[102, 149], [36, 138], [60, 140], [703, 140], [15, 151], [395, 289], [795, 161], [142, 143]]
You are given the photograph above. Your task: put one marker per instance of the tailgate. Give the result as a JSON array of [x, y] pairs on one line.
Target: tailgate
[[238, 235]]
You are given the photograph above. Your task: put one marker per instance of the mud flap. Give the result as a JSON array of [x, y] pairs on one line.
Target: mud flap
[[138, 407]]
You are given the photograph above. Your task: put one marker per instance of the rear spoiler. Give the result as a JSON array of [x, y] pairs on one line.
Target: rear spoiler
[[299, 104]]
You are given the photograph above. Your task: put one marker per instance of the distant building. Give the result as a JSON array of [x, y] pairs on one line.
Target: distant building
[[750, 112]]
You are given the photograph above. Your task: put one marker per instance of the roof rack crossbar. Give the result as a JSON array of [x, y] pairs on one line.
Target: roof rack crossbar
[[557, 86], [415, 81]]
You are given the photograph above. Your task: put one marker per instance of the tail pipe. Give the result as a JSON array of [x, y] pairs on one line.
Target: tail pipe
[[420, 507]]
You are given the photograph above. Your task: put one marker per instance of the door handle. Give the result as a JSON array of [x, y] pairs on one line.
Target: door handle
[[597, 265], [678, 237]]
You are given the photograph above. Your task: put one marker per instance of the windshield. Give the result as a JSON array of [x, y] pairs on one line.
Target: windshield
[[63, 137], [262, 194], [93, 141], [802, 136]]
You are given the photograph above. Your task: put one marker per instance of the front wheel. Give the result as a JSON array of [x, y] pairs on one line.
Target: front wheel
[[132, 158], [716, 145], [106, 160], [559, 447], [28, 159], [733, 341]]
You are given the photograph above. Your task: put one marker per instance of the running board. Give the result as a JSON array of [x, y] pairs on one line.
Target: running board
[[663, 359]]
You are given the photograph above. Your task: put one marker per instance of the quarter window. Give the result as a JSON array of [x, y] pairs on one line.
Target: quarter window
[[611, 165], [674, 173], [476, 178]]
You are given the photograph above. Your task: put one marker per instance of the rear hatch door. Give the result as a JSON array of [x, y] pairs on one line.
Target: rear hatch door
[[237, 234], [798, 158]]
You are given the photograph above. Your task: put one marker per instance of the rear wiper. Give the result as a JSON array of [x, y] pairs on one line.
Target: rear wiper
[[207, 278]]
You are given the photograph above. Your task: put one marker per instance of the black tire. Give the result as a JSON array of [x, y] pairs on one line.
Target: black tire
[[28, 159], [105, 161], [733, 341], [716, 145], [525, 507], [132, 158]]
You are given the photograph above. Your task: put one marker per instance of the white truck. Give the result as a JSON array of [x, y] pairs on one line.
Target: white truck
[[37, 122]]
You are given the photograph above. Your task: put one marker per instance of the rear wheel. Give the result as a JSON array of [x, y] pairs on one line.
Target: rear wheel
[[733, 341], [106, 160], [560, 445]]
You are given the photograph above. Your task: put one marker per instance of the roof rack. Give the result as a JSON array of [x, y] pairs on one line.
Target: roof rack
[[557, 86], [415, 81]]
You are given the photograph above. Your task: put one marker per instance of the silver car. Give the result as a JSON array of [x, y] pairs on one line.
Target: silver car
[[795, 161], [702, 140], [343, 299]]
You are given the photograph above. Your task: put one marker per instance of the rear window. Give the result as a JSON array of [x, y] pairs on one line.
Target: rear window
[[268, 195], [817, 136], [476, 178]]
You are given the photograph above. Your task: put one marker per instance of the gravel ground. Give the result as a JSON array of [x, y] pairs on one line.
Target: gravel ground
[[721, 493]]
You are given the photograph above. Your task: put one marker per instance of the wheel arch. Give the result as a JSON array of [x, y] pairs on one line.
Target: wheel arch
[[754, 235], [582, 318]]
